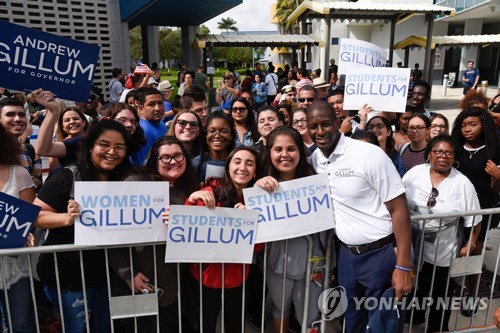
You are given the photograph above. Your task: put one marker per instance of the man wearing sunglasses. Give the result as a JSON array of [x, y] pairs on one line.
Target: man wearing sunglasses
[[307, 96]]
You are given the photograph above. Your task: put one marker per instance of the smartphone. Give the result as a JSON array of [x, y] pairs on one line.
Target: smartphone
[[221, 84], [159, 291]]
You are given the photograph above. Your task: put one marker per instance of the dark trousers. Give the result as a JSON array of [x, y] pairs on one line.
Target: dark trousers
[[212, 305], [438, 290], [364, 275]]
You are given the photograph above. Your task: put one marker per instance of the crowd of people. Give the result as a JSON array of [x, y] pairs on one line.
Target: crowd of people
[[270, 128]]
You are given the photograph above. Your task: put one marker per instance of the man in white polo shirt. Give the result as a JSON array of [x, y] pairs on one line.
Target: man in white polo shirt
[[370, 211]]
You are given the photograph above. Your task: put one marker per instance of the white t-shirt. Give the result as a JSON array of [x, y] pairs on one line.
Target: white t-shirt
[[272, 84], [456, 194], [361, 178]]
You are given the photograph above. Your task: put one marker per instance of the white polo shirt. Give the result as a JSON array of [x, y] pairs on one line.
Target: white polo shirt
[[361, 177]]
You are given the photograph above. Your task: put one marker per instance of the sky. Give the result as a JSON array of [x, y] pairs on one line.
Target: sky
[[251, 15]]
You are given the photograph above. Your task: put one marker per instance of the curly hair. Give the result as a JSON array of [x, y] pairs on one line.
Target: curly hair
[[9, 147], [489, 134], [137, 139], [61, 134], [473, 98], [303, 169]]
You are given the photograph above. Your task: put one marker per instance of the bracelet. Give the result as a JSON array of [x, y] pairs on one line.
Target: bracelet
[[473, 244], [406, 269]]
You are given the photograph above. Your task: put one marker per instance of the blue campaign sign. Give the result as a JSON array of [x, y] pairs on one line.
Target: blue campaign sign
[[16, 218], [32, 59]]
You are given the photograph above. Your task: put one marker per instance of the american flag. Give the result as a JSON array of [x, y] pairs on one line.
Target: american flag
[[141, 69]]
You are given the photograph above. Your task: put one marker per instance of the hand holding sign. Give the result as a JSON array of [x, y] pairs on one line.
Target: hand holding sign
[[268, 183], [206, 196], [48, 100], [73, 212]]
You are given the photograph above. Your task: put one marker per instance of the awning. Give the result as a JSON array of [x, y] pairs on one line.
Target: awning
[[364, 10], [264, 40], [449, 41]]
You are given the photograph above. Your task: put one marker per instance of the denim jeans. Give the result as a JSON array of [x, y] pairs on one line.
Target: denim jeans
[[74, 309], [20, 306]]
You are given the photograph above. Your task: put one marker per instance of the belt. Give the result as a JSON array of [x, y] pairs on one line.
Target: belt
[[360, 249]]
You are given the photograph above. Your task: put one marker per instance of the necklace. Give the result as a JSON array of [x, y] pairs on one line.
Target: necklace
[[473, 151]]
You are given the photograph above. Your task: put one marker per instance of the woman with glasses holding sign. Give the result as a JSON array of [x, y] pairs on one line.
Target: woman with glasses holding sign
[[169, 162], [239, 172], [431, 188], [381, 127], [285, 159], [412, 152], [103, 156], [479, 157], [186, 127]]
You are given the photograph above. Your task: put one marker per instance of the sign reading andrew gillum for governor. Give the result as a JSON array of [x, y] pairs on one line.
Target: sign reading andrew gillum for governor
[[32, 59]]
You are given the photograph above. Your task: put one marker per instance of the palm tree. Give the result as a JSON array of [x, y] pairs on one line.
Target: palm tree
[[227, 24], [283, 10]]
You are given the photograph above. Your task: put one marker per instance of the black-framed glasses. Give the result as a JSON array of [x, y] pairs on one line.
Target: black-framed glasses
[[431, 202], [239, 109], [184, 123], [309, 99], [297, 122], [223, 131], [441, 153], [166, 159], [494, 107], [416, 128], [376, 126], [106, 146]]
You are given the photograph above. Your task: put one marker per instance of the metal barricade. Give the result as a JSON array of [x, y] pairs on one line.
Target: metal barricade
[[137, 306]]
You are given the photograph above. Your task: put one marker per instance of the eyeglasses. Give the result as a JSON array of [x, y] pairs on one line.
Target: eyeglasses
[[299, 121], [184, 123], [416, 128], [493, 107], [239, 109], [376, 126], [441, 153], [431, 202], [106, 146], [223, 131], [309, 99], [126, 120], [166, 159], [441, 127]]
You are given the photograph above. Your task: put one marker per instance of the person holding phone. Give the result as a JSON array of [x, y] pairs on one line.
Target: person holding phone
[[229, 90]]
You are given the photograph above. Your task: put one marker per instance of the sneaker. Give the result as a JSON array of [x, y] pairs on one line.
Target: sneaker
[[470, 311]]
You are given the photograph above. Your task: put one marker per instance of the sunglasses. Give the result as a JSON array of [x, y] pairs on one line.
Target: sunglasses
[[309, 99], [238, 109], [184, 123], [431, 202]]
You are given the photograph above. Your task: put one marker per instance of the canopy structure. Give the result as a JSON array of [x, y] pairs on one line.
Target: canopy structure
[[392, 12]]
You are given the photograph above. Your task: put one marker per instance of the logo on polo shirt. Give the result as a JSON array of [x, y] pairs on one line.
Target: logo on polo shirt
[[345, 172]]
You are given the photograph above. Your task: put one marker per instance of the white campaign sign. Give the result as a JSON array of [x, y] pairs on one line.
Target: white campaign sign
[[382, 88], [120, 212], [220, 235], [299, 207], [357, 53]]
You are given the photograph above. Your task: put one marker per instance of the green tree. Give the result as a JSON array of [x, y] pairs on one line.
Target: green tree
[[284, 8], [227, 24], [135, 42], [170, 43], [204, 30]]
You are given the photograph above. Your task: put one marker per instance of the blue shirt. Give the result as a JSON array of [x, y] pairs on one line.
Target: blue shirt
[[246, 141], [152, 132]]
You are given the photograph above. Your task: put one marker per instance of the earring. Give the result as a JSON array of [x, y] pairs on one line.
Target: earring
[[427, 161], [458, 165]]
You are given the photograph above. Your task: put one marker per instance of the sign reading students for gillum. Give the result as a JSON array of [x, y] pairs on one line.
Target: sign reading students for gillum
[[299, 207], [383, 88], [120, 212], [16, 218], [32, 59], [222, 235], [357, 53]]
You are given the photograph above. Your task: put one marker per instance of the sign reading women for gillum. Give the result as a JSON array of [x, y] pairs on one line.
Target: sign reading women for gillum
[[222, 235], [120, 212], [299, 207], [32, 59]]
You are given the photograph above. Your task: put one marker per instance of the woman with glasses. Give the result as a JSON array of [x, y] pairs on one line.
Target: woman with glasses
[[103, 156], [169, 162], [382, 129], [244, 123], [401, 130], [439, 125], [239, 172], [186, 127], [432, 188], [299, 123], [259, 93], [127, 115], [479, 157], [412, 153], [216, 146]]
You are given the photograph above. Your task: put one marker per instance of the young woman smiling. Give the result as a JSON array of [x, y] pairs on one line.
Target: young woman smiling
[[412, 153], [186, 127], [218, 143]]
